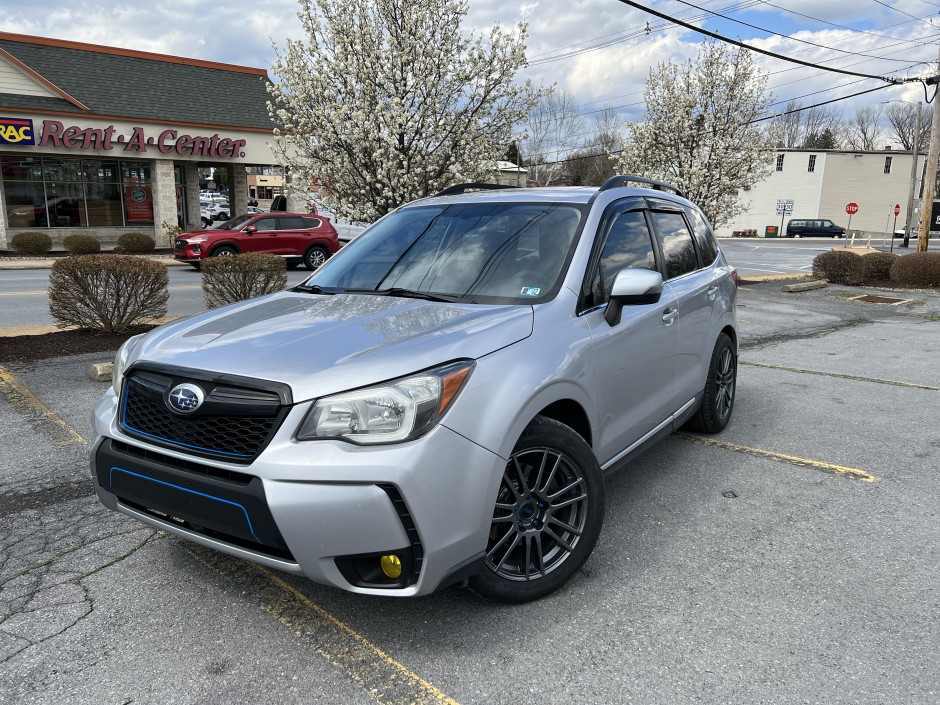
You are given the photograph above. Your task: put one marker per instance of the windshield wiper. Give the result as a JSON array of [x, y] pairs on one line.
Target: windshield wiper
[[313, 289], [408, 294]]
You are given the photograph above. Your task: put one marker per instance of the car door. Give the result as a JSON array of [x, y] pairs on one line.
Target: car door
[[291, 240], [634, 359], [696, 289], [264, 239]]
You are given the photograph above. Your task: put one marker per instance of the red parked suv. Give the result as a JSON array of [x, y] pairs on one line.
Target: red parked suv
[[298, 237]]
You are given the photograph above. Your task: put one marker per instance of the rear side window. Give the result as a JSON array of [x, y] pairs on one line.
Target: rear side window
[[628, 246], [677, 243], [290, 222], [310, 222], [704, 238]]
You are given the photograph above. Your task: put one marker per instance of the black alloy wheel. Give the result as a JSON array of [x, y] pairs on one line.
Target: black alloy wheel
[[547, 516], [718, 397]]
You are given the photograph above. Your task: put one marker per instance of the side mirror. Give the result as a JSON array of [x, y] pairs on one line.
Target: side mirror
[[251, 230], [633, 287]]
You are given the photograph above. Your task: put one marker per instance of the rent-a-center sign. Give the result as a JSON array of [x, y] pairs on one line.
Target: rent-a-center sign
[[57, 134]]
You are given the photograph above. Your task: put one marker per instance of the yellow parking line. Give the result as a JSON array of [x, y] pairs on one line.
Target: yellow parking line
[[843, 470], [838, 375], [383, 679], [52, 426]]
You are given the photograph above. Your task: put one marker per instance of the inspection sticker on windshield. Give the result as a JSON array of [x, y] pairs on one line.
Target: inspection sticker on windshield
[[530, 291]]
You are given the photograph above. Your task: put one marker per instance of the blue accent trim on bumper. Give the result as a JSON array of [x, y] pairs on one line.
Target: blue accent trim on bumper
[[184, 489]]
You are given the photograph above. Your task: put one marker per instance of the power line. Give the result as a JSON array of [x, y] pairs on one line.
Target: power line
[[778, 34], [807, 107], [706, 32], [901, 12]]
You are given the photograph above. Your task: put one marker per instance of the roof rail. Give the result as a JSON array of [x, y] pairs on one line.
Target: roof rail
[[463, 188], [615, 181]]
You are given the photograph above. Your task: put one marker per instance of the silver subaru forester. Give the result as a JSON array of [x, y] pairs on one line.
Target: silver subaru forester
[[440, 402]]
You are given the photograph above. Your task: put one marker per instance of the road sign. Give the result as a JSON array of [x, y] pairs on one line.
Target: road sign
[[785, 206], [897, 209], [851, 208]]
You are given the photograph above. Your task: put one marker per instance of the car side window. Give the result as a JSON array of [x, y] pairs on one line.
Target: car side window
[[290, 222], [265, 224], [628, 246], [310, 222], [704, 237], [676, 240]]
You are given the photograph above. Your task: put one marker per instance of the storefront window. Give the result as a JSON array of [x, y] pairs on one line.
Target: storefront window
[[138, 195], [51, 193]]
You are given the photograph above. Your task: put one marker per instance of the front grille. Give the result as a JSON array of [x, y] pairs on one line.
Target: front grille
[[233, 423], [179, 244]]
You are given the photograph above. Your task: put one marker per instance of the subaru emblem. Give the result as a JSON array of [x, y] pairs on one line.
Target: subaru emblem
[[185, 398]]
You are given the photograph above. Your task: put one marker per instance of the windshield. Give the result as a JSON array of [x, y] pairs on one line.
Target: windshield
[[236, 222], [487, 252]]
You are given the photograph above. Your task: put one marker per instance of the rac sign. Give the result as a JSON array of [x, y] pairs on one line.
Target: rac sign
[[16, 131]]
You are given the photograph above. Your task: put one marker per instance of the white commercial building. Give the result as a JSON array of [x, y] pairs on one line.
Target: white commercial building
[[821, 183]]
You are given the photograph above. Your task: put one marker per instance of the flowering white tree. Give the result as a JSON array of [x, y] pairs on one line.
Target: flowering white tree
[[697, 132], [387, 100]]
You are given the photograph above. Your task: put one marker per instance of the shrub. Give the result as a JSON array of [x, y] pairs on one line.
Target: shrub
[[107, 292], [226, 280], [917, 269], [81, 245], [136, 243], [31, 243], [840, 267], [878, 265]]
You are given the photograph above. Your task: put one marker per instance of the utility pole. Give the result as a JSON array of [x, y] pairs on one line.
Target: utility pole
[[930, 174], [910, 196]]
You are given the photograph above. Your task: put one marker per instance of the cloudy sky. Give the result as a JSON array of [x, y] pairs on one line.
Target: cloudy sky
[[600, 51]]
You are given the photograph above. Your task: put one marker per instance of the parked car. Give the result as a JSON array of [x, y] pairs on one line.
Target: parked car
[[814, 228], [219, 211], [255, 209], [252, 202], [205, 213], [297, 237], [440, 402]]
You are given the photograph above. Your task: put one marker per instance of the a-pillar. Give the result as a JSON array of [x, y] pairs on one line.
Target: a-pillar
[[164, 201]]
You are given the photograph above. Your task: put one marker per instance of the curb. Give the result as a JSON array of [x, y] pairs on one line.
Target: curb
[[46, 263]]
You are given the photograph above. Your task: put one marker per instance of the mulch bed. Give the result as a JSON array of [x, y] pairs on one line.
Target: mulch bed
[[29, 348]]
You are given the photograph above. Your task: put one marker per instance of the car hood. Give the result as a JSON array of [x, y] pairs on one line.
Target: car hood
[[322, 344]]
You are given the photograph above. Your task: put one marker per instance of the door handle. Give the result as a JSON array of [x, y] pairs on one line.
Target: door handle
[[670, 315], [712, 293]]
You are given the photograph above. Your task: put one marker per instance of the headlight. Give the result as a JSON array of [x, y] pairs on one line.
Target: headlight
[[120, 362], [194, 240], [388, 413]]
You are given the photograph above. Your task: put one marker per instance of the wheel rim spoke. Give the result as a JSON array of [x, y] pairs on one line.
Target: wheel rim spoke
[[565, 489], [569, 501], [567, 527], [523, 485]]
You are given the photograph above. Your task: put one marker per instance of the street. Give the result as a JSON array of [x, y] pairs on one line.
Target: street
[[23, 299], [790, 559]]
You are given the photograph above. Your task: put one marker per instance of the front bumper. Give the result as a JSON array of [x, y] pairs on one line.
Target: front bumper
[[301, 506]]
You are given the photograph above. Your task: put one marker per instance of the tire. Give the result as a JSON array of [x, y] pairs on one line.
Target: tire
[[224, 251], [315, 256], [206, 223], [547, 516], [718, 398]]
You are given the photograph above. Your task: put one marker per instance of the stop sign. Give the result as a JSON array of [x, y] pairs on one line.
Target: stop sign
[[851, 208], [897, 209]]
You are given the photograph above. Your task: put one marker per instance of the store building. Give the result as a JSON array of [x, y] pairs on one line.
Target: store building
[[102, 141], [820, 183]]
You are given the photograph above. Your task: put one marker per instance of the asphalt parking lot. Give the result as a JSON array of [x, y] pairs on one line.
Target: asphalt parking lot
[[792, 558]]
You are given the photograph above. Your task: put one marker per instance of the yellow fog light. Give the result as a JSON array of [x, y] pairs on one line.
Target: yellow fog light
[[391, 566]]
